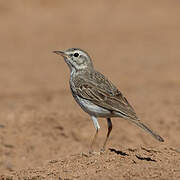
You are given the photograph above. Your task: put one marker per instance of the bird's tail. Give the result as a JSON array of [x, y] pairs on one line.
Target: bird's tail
[[141, 125]]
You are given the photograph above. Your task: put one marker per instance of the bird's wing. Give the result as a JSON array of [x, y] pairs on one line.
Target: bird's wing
[[94, 87]]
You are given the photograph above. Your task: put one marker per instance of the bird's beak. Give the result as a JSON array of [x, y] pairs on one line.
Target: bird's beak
[[60, 53]]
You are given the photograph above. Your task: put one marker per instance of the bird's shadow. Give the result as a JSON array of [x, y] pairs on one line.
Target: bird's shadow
[[118, 152]]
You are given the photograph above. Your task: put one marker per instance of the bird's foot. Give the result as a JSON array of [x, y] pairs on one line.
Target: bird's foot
[[90, 153], [94, 153]]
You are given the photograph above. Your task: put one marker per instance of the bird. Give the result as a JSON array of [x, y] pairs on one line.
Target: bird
[[97, 95]]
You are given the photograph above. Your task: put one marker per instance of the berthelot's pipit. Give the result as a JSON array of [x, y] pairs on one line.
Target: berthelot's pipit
[[96, 94]]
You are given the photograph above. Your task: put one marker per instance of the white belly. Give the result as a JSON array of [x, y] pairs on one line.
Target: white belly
[[92, 109]]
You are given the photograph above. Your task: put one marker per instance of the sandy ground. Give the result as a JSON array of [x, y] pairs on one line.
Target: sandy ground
[[43, 132]]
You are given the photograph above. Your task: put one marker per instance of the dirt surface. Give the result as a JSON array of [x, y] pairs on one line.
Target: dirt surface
[[43, 132]]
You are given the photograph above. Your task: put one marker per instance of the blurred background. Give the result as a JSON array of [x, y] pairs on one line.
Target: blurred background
[[114, 33], [134, 43]]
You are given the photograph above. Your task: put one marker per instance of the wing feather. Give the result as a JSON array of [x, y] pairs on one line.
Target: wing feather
[[94, 87]]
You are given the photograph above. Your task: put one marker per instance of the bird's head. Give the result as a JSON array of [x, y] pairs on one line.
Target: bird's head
[[76, 59]]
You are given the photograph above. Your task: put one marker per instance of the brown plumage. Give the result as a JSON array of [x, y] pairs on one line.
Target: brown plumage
[[96, 94], [96, 88], [93, 86]]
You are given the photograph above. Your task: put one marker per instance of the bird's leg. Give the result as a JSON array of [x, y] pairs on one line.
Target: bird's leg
[[93, 141], [109, 123], [96, 125]]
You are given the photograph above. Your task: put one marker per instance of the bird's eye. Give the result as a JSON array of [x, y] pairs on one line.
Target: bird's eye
[[76, 54]]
